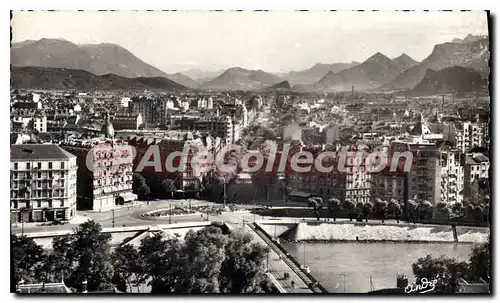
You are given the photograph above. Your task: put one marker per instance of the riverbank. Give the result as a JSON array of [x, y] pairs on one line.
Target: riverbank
[[395, 233]]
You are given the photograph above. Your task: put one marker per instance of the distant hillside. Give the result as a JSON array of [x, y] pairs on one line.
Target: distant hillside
[[183, 80], [473, 54], [375, 71], [404, 62], [238, 78], [201, 75], [99, 59], [280, 86], [61, 78], [450, 80], [315, 73]]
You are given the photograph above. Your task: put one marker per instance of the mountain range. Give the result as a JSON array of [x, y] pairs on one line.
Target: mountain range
[[315, 73], [472, 52], [238, 78], [108, 65], [98, 59], [375, 71], [61, 78], [450, 80]]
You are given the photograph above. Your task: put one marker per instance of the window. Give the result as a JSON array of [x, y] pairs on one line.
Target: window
[[50, 203], [15, 176], [62, 203], [28, 165], [39, 174], [50, 175], [38, 203], [62, 165], [15, 166], [50, 165], [39, 165]]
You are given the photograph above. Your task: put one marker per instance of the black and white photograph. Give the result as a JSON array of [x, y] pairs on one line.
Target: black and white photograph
[[251, 152]]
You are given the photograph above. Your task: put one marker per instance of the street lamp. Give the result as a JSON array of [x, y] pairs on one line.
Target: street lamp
[[113, 220]]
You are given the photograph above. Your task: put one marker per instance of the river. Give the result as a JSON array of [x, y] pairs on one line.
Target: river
[[328, 262]]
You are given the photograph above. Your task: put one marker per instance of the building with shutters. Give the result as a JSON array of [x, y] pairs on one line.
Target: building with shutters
[[42, 183]]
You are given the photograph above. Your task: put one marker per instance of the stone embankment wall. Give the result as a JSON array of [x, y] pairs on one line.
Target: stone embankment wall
[[310, 231]]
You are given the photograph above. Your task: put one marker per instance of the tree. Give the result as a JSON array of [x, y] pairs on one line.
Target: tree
[[349, 206], [211, 260], [333, 205], [316, 203], [60, 260], [446, 270], [167, 186], [204, 252], [28, 259], [456, 208], [127, 264], [478, 213], [480, 262], [381, 208], [486, 213], [163, 263], [395, 208], [443, 210], [367, 210], [475, 193], [412, 207], [424, 209], [243, 269], [91, 251], [140, 187], [469, 210]]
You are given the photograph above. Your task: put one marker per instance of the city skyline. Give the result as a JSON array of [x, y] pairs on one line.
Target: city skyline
[[272, 41]]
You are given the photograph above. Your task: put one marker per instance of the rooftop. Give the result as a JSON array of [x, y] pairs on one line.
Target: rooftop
[[26, 152]]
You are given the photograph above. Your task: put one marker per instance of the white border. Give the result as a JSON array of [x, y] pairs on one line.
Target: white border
[[212, 5]]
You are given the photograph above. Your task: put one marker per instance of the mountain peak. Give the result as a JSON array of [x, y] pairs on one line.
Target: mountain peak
[[404, 56], [378, 57]]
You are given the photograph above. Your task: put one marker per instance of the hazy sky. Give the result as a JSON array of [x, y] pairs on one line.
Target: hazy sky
[[272, 41]]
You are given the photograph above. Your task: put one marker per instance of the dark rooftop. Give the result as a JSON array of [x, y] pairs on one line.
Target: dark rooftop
[[38, 152]]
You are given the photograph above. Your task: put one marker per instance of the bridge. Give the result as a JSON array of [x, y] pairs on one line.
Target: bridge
[[310, 283]]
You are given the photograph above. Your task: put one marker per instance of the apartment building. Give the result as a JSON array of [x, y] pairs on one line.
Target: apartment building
[[471, 134], [153, 111], [187, 178], [476, 166], [33, 122], [388, 185], [224, 127], [353, 182], [424, 176], [42, 183], [452, 177], [127, 121], [105, 170]]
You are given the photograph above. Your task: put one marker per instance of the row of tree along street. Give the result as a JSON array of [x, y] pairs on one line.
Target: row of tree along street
[[421, 211], [211, 260]]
